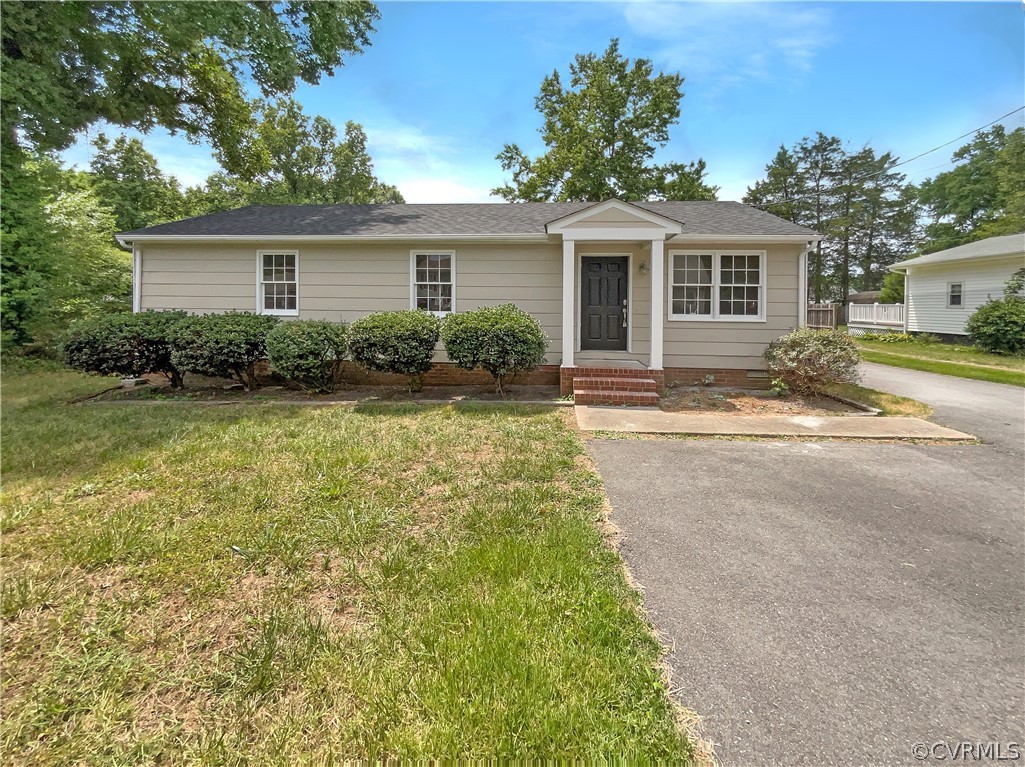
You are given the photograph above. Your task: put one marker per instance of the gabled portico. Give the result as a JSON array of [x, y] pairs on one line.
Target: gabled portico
[[599, 246]]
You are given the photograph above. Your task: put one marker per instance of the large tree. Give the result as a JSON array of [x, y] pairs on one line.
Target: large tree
[[175, 64], [292, 158], [983, 196], [180, 65], [128, 180], [602, 132], [863, 207]]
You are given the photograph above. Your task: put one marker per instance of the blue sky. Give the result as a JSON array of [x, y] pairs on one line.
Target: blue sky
[[445, 85]]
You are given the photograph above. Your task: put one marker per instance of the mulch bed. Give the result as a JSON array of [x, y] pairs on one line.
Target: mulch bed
[[743, 402]]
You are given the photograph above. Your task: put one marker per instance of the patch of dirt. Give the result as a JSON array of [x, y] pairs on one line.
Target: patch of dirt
[[743, 402], [200, 389]]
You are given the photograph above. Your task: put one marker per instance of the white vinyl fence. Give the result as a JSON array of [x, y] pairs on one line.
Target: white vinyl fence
[[875, 318]]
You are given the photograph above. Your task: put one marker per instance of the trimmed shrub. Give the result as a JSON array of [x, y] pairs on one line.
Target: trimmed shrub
[[808, 360], [396, 342], [998, 326], [308, 352], [499, 339], [126, 345], [222, 345]]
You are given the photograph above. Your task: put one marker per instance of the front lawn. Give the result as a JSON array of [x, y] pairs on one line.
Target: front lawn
[[948, 359], [277, 584]]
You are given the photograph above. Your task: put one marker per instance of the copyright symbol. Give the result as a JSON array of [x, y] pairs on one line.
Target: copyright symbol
[[920, 751]]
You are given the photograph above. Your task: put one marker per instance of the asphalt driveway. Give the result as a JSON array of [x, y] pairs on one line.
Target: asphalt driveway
[[833, 602]]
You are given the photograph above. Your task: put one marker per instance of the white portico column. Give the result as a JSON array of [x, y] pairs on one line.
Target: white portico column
[[657, 301], [568, 292]]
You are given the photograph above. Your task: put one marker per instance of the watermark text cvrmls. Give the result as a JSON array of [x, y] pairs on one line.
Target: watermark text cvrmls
[[968, 751]]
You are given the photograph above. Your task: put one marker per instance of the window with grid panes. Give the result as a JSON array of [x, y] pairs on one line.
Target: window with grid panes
[[279, 283], [433, 284]]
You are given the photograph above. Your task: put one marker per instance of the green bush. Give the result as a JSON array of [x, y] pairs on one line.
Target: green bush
[[998, 326], [222, 345], [808, 360], [396, 342], [308, 352], [127, 345], [499, 339]]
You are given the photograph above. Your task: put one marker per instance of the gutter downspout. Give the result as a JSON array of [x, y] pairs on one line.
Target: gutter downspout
[[802, 286]]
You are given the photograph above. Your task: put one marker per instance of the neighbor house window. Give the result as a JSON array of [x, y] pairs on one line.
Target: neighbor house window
[[717, 285], [434, 281], [955, 295], [279, 282]]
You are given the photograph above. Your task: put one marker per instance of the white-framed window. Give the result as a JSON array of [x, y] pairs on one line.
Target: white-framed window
[[278, 282], [433, 281], [955, 295], [727, 285]]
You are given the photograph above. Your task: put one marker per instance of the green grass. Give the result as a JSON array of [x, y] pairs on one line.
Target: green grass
[[886, 403], [948, 359], [283, 585]]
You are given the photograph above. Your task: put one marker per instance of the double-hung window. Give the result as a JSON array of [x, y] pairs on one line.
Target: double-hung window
[[955, 295], [279, 282], [726, 285], [433, 281]]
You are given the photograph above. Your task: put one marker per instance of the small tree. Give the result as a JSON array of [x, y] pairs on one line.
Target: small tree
[[396, 342], [126, 345], [499, 339], [808, 360], [308, 352], [893, 288], [222, 345], [998, 326]]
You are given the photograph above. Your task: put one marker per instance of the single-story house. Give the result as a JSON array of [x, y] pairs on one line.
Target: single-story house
[[644, 293], [942, 289]]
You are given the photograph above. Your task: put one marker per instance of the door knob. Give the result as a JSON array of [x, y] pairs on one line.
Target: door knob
[[624, 312]]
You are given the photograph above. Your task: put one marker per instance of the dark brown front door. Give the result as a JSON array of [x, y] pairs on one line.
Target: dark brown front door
[[603, 297]]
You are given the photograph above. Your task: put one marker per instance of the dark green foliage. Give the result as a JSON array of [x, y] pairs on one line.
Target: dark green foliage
[[396, 342], [223, 345], [983, 196], [308, 352], [601, 134], [998, 326], [893, 288], [127, 345], [499, 339], [808, 360], [128, 180]]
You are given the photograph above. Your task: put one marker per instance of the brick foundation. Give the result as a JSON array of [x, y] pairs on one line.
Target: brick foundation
[[742, 379], [446, 374]]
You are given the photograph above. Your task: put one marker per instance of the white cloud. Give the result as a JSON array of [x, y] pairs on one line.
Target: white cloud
[[427, 167], [728, 43], [435, 189]]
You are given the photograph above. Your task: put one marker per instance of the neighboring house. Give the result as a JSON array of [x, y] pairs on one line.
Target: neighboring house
[[942, 289], [859, 297], [720, 279]]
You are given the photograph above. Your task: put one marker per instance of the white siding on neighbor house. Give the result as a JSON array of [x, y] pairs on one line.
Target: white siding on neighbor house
[[345, 282], [725, 344], [926, 291]]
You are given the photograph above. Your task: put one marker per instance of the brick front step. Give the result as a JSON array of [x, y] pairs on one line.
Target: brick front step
[[609, 383], [601, 397]]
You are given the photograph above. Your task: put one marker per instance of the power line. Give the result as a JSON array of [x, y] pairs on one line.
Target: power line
[[902, 162]]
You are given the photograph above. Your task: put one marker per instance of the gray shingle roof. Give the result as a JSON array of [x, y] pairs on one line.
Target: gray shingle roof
[[1005, 245], [698, 218]]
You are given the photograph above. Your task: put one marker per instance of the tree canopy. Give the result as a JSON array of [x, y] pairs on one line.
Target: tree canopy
[[602, 132], [866, 210], [179, 65], [983, 196]]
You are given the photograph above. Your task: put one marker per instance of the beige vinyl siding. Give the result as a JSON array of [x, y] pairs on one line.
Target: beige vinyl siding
[[344, 283], [731, 345], [926, 292]]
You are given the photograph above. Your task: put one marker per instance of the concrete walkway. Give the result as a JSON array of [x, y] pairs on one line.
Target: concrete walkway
[[644, 420]]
